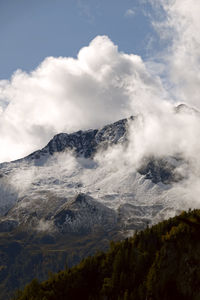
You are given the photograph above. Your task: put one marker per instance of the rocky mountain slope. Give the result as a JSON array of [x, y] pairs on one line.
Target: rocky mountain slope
[[41, 188], [67, 200]]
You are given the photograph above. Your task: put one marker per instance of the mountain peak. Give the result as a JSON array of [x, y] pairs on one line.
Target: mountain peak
[[84, 143], [184, 108]]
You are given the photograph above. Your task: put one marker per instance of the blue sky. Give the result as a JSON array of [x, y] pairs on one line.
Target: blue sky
[[32, 30]]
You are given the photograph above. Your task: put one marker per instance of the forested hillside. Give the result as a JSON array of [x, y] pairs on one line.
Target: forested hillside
[[161, 262]]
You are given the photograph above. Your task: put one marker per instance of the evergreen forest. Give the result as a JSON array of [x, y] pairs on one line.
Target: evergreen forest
[[160, 262]]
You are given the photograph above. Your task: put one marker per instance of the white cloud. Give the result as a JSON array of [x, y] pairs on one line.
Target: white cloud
[[180, 25], [130, 12], [65, 94]]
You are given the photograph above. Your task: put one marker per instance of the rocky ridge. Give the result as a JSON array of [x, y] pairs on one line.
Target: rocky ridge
[[44, 200]]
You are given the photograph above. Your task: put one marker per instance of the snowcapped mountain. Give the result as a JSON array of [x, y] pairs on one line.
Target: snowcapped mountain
[[80, 181], [83, 189], [84, 143]]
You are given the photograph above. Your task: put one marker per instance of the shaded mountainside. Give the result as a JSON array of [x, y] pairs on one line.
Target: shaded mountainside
[[67, 200], [25, 255], [161, 262]]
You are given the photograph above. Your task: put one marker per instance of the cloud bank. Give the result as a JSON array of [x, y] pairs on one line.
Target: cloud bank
[[179, 24], [103, 85], [65, 94]]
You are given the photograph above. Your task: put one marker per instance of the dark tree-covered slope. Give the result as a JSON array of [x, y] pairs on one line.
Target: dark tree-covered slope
[[161, 262]]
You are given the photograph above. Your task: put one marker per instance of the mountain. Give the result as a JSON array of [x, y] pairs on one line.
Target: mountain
[[84, 143], [69, 199], [35, 189]]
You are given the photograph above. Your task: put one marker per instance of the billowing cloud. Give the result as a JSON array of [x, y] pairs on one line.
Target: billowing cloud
[[65, 94], [180, 25], [103, 85]]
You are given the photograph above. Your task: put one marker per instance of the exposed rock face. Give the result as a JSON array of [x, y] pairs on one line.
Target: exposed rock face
[[85, 143], [49, 200], [160, 170], [84, 214]]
